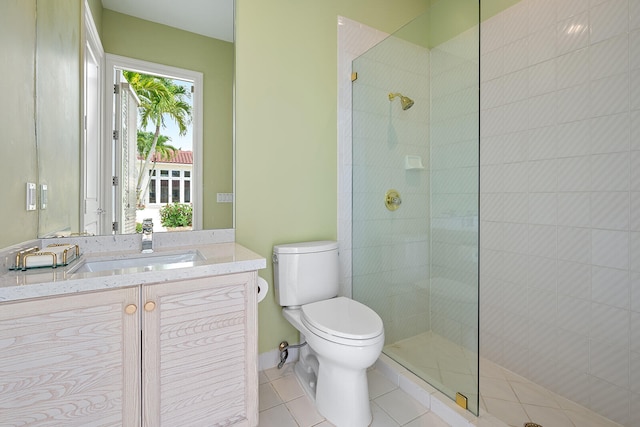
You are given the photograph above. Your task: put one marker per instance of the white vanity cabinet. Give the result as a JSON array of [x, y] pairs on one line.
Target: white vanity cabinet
[[176, 353], [199, 364], [71, 360]]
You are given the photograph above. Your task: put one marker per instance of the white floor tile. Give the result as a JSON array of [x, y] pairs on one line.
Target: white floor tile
[[381, 418], [278, 416], [267, 397], [378, 384], [288, 388], [511, 413], [400, 406], [546, 416], [427, 420], [304, 411]]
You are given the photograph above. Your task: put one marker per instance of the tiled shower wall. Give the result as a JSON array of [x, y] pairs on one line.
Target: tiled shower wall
[[560, 199], [454, 189], [389, 249]]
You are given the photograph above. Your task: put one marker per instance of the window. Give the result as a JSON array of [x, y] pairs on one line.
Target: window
[[152, 191], [164, 191], [175, 191], [175, 174], [187, 191], [164, 173]]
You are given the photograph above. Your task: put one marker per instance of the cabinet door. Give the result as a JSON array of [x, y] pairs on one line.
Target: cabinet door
[[199, 352], [71, 361]]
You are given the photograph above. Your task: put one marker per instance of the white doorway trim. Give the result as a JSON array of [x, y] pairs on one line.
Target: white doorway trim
[[131, 64], [92, 199]]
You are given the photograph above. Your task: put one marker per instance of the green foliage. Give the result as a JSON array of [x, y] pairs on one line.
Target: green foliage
[[138, 227], [176, 215]]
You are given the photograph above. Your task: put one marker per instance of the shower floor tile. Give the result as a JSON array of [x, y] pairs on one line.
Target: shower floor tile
[[505, 395]]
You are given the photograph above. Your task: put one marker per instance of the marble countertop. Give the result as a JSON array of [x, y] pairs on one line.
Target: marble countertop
[[217, 259]]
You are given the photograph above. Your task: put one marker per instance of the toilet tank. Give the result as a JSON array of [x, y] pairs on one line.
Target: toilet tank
[[305, 272]]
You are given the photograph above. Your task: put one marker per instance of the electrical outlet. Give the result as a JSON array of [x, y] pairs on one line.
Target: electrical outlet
[[224, 198]]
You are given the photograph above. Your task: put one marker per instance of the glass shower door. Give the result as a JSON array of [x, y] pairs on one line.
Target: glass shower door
[[415, 194]]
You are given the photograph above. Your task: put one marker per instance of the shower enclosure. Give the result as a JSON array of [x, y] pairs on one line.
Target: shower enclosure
[[415, 189]]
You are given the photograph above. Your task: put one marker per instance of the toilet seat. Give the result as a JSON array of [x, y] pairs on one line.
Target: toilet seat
[[343, 320]]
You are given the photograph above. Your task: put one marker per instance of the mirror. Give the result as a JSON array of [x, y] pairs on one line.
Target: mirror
[[43, 49]]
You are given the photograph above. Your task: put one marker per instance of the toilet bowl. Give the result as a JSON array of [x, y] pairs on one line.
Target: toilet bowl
[[344, 337], [339, 385]]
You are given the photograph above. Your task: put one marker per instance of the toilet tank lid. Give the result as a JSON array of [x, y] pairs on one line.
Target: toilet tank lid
[[306, 247]]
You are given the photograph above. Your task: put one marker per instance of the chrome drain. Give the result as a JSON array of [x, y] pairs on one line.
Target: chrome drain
[[532, 425]]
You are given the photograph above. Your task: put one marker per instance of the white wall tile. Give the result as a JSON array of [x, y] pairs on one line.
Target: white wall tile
[[515, 177], [516, 207], [572, 68], [574, 280], [542, 78], [635, 291], [515, 56], [492, 65], [635, 170], [574, 139], [574, 209], [515, 147], [609, 19], [634, 247], [610, 210], [574, 174], [516, 22], [610, 248], [609, 324], [610, 172], [609, 57], [610, 286], [635, 130], [570, 315], [543, 175], [543, 273], [568, 8], [542, 240], [610, 134], [574, 103], [543, 143], [543, 208], [543, 110], [516, 238], [573, 33], [609, 362], [635, 211], [574, 244], [609, 95], [634, 15]]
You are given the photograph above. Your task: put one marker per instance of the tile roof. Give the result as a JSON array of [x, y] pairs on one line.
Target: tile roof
[[181, 157]]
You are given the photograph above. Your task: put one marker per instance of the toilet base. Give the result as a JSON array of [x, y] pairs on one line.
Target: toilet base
[[342, 396]]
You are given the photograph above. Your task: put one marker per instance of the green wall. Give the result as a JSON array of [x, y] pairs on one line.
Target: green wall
[[286, 125], [17, 55], [135, 38]]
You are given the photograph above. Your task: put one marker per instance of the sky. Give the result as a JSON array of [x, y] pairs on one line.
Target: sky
[[183, 142]]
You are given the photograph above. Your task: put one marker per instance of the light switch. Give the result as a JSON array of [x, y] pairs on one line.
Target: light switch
[[43, 196], [31, 196]]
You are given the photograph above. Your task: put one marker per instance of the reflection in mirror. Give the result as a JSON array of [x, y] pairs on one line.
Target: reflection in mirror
[[50, 110]]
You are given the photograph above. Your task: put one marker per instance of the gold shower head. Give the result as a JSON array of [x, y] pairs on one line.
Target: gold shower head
[[405, 101]]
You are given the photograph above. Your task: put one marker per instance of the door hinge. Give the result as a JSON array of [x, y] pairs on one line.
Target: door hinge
[[114, 226], [116, 134], [115, 181], [116, 89]]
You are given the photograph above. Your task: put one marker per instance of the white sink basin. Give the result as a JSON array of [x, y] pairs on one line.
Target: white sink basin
[[142, 262]]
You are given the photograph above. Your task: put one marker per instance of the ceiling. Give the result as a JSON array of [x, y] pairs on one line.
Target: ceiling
[[211, 18]]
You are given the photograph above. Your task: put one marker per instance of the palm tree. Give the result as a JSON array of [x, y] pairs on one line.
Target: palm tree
[[160, 100], [164, 151]]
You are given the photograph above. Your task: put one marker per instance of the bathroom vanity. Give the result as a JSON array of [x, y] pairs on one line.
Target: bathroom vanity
[[170, 344]]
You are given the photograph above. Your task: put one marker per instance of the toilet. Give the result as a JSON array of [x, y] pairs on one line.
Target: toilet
[[343, 336]]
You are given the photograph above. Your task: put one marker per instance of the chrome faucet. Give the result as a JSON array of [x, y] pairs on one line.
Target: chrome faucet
[[147, 235]]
